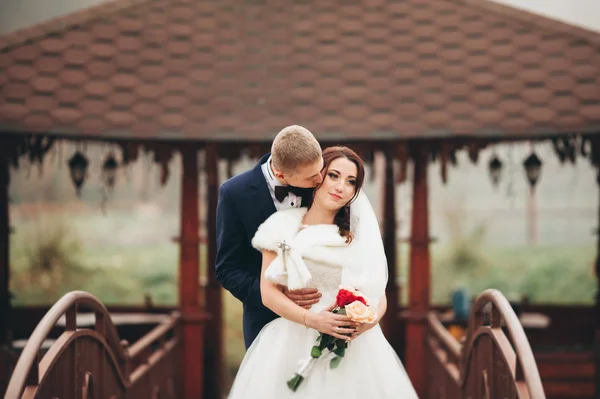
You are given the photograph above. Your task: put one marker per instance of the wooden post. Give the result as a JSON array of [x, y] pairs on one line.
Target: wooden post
[[4, 264], [390, 320], [214, 355], [419, 275], [189, 276], [532, 217]]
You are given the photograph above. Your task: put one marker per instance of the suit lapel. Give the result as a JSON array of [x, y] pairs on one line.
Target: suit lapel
[[261, 194]]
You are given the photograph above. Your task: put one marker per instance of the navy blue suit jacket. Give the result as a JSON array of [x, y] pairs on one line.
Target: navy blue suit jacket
[[244, 204]]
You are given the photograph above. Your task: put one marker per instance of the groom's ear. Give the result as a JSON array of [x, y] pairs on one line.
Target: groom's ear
[[279, 175]]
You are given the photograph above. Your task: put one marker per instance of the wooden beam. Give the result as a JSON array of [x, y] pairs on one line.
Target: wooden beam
[[419, 275], [4, 264], [214, 354], [390, 320], [189, 279]]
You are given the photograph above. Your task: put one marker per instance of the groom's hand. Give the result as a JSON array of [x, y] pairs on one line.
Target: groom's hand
[[305, 297]]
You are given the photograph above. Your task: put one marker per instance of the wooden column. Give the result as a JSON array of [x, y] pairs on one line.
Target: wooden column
[[189, 273], [532, 217], [214, 354], [419, 275], [390, 320], [4, 264]]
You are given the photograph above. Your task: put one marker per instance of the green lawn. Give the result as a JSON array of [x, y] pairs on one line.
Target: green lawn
[[556, 274]]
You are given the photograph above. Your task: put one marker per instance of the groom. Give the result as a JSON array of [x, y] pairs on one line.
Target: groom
[[281, 180]]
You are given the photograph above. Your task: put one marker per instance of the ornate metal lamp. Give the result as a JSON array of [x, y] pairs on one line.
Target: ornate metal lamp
[[495, 169], [533, 167], [78, 165], [109, 170]]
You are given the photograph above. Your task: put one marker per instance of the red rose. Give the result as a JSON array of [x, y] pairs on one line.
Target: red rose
[[345, 297], [360, 299]]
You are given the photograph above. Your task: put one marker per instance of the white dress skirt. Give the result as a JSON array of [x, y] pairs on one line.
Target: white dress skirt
[[370, 368]]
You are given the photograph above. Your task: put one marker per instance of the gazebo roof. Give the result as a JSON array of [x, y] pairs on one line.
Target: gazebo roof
[[231, 70]]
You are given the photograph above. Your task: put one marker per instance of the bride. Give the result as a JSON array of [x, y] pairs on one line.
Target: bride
[[336, 241]]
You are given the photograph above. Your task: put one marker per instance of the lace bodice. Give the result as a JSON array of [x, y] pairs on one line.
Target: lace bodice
[[325, 278]]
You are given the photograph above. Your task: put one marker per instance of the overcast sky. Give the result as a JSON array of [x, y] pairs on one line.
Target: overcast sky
[[15, 14], [585, 13]]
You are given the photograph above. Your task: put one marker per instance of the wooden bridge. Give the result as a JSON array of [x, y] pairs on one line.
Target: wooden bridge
[[489, 363], [493, 361], [94, 363]]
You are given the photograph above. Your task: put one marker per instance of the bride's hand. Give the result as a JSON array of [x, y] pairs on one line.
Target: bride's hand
[[362, 328], [336, 325]]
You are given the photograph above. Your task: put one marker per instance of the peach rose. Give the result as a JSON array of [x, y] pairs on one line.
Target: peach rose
[[372, 315], [360, 313]]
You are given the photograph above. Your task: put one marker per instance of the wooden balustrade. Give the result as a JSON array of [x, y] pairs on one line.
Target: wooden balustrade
[[489, 363], [94, 363], [443, 353], [568, 374]]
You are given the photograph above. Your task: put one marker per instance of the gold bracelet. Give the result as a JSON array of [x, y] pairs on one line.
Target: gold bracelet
[[304, 318]]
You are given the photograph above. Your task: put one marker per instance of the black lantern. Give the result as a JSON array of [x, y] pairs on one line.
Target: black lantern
[[78, 165], [109, 171], [495, 168], [532, 166]]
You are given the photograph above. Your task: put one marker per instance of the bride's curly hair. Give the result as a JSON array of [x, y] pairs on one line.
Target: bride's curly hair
[[330, 154]]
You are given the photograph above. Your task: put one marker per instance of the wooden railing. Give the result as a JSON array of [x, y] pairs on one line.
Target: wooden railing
[[86, 363], [488, 363], [568, 375]]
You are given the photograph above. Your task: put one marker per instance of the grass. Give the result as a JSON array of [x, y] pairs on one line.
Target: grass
[[545, 274]]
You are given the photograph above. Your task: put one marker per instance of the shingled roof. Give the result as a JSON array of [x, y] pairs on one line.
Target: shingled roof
[[231, 70]]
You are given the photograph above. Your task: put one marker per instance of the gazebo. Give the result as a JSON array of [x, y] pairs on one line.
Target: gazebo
[[414, 79]]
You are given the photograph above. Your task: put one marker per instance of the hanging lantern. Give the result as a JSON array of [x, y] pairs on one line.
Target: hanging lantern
[[495, 169], [78, 165], [109, 171], [532, 166], [452, 158]]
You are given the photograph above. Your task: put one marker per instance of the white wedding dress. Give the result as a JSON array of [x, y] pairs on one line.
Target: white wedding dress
[[370, 367]]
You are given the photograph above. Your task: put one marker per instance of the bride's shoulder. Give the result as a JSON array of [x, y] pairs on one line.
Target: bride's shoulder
[[279, 226]]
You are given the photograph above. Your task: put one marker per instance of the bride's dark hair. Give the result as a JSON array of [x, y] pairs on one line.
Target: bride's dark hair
[[330, 154]]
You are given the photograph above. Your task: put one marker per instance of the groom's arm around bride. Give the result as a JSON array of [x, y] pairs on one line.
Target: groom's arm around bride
[[245, 202]]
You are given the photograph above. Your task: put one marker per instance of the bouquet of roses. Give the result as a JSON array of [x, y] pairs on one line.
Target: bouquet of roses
[[350, 302]]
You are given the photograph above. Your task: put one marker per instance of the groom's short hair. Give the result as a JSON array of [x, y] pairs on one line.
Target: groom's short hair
[[294, 147]]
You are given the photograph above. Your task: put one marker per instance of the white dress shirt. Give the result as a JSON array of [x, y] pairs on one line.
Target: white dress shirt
[[291, 201]]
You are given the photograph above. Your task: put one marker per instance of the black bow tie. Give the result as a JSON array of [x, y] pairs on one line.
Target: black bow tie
[[282, 191]]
